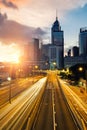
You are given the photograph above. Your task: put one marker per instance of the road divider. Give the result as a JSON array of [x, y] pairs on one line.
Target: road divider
[[53, 106]]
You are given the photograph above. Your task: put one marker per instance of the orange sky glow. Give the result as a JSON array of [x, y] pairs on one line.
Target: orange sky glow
[[22, 20], [9, 53]]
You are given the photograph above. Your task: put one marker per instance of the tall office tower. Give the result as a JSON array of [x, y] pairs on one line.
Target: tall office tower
[[57, 36], [31, 51], [75, 51], [36, 49], [83, 41], [45, 52]]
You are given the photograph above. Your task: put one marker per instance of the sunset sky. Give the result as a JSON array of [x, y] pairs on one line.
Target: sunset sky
[[21, 20]]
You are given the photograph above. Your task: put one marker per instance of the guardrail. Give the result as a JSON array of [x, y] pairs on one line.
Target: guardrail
[[77, 119]]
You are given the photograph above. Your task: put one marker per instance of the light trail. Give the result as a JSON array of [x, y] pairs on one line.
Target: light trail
[[79, 106], [29, 95], [76, 98]]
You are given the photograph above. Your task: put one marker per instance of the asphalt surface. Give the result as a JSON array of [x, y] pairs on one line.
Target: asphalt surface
[[44, 120], [64, 120], [14, 88], [53, 113]]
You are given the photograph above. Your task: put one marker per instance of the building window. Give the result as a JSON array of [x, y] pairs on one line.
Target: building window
[[53, 53]]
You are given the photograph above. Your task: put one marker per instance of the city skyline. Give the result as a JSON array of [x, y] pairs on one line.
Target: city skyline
[[20, 21]]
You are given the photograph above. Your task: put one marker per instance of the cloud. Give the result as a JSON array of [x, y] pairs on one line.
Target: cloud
[[45, 5], [8, 4], [41, 12], [14, 32], [3, 18], [14, 4]]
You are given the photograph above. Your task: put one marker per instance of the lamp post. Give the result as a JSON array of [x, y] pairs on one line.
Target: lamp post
[[9, 79], [86, 79], [81, 69], [36, 69], [33, 73]]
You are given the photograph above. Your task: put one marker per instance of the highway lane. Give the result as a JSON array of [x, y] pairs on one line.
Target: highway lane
[[17, 86], [44, 118], [64, 120], [13, 115], [79, 106], [53, 113]]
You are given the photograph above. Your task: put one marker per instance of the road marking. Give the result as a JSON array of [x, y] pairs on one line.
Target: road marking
[[54, 112]]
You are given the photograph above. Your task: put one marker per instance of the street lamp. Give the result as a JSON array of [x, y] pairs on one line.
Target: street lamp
[[54, 64], [86, 79], [9, 79], [80, 69], [36, 67]]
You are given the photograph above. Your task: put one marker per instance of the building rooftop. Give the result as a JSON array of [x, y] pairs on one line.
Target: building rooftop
[[84, 29]]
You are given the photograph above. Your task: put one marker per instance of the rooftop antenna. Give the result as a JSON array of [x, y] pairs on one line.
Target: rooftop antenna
[[56, 15]]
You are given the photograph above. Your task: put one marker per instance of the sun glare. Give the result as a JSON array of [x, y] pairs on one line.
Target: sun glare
[[9, 53]]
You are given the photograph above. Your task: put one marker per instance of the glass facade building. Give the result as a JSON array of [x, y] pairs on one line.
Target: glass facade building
[[83, 42], [57, 40]]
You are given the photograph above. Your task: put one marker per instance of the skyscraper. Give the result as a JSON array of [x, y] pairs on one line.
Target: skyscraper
[[31, 51], [83, 42], [57, 39], [75, 51]]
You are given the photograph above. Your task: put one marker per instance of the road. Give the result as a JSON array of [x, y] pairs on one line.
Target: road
[[44, 119], [42, 106], [77, 104], [17, 86], [53, 113], [13, 116]]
